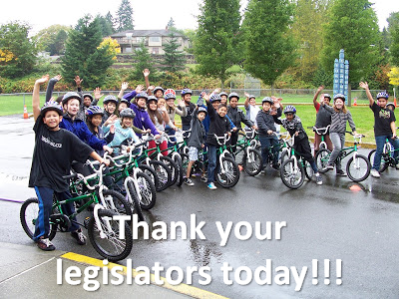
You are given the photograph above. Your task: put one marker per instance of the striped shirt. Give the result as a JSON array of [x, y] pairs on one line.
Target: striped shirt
[[339, 120]]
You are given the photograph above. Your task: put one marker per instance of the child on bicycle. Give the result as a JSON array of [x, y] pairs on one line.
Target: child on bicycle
[[110, 104], [196, 140], [266, 131], [339, 117], [186, 95], [384, 128], [55, 149], [251, 108], [293, 125], [323, 120]]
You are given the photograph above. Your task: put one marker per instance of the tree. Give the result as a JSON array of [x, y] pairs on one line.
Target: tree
[[58, 47], [394, 76], [217, 42], [18, 50], [174, 59], [113, 48], [111, 20], [124, 16], [105, 26], [170, 24], [143, 60], [84, 57], [393, 29], [49, 39], [352, 25], [269, 44]]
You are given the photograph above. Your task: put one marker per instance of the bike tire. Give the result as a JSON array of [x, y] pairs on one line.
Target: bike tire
[[291, 179], [172, 167], [321, 159], [112, 247], [136, 207], [308, 171], [185, 162], [151, 173], [163, 174], [28, 215], [358, 169], [284, 156], [384, 164], [252, 162], [231, 177], [177, 159], [147, 190], [119, 204]]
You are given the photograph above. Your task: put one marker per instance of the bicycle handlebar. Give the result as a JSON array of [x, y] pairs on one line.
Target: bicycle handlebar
[[321, 131]]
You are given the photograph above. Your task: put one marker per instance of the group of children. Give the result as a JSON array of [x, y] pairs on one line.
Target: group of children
[[73, 128]]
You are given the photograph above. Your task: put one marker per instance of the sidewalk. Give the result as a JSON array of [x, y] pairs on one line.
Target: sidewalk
[[28, 272]]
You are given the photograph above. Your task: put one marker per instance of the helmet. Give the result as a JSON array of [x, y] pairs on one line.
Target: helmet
[[289, 109], [252, 97], [158, 88], [223, 94], [215, 97], [142, 95], [382, 95], [391, 104], [51, 106], [71, 95], [341, 96], [123, 100], [267, 99], [110, 98], [151, 98], [186, 91], [127, 113], [169, 96], [233, 95], [327, 96], [88, 95], [202, 109], [94, 110]]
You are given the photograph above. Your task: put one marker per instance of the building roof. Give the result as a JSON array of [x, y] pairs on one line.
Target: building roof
[[144, 33]]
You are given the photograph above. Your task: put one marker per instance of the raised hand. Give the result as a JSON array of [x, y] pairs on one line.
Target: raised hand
[[247, 94], [78, 80], [217, 91], [124, 86], [44, 79], [146, 72], [320, 88], [112, 128], [139, 88], [364, 85], [150, 88], [97, 93], [58, 77]]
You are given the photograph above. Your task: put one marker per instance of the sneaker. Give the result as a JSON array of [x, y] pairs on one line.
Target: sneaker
[[340, 173], [211, 186], [375, 173], [204, 178], [276, 166], [397, 166], [79, 236], [329, 167], [45, 244], [318, 177], [188, 181]]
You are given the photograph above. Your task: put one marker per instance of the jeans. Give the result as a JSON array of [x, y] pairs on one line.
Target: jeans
[[170, 131], [212, 163], [266, 144], [338, 143], [380, 142]]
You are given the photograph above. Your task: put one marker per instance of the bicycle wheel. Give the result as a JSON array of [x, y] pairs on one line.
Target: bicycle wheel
[[232, 173], [358, 169], [185, 162], [172, 167], [137, 209], [384, 164], [292, 177], [178, 162], [116, 202], [308, 170], [28, 215], [147, 191], [321, 159], [163, 174], [284, 156], [111, 247], [252, 162], [151, 173]]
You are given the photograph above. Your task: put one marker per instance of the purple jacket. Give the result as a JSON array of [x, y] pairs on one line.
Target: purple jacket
[[142, 119], [129, 96]]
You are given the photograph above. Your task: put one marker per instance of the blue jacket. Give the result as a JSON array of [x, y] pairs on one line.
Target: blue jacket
[[142, 119], [80, 129]]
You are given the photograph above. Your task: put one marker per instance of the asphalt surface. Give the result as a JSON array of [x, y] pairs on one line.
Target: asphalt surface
[[357, 223]]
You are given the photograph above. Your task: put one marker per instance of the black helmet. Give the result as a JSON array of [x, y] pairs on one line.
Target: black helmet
[[391, 104], [215, 97], [71, 95], [223, 94], [169, 96], [151, 98], [94, 110], [186, 91], [123, 100], [267, 99], [290, 109], [127, 113], [233, 95], [327, 96], [51, 106], [110, 98], [202, 109], [341, 96], [158, 88], [88, 95], [141, 95]]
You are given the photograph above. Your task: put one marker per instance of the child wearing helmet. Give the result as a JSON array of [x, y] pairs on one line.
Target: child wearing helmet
[[384, 127], [186, 95], [196, 140], [339, 117], [110, 104], [94, 117], [323, 119], [251, 108], [293, 125], [55, 148]]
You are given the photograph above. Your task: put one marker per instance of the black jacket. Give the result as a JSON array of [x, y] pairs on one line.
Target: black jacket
[[237, 117], [266, 122], [196, 138], [218, 125]]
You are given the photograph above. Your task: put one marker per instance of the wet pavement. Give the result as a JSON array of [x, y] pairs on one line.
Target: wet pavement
[[357, 223]]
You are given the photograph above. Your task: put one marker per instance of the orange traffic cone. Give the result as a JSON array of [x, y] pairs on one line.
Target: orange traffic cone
[[395, 102], [355, 102], [25, 113]]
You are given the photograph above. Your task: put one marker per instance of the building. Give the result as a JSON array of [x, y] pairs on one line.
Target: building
[[153, 39]]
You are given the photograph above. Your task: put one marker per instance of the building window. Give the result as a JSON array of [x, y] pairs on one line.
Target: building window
[[155, 50], [155, 39], [140, 40]]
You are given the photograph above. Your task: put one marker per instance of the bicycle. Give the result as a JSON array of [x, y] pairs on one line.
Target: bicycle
[[103, 230], [387, 159], [321, 132], [358, 166]]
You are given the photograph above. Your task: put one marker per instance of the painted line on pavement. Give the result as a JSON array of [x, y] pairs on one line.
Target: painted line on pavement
[[180, 288], [12, 200]]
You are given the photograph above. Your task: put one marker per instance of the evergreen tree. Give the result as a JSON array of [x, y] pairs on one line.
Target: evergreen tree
[[353, 26], [84, 57], [217, 43], [174, 59], [105, 26], [143, 60], [58, 47], [125, 16], [110, 19], [394, 38], [171, 24], [269, 45]]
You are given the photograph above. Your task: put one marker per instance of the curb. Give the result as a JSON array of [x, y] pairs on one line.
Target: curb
[[180, 288]]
